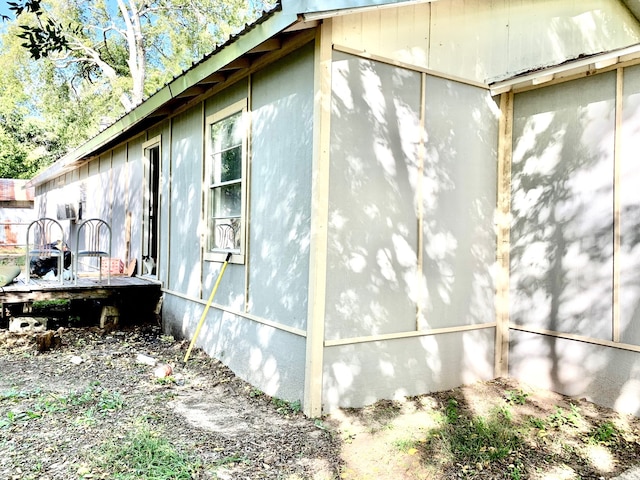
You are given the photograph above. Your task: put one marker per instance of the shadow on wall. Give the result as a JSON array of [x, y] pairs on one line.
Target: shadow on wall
[[186, 185], [562, 229], [378, 188], [280, 212], [277, 248]]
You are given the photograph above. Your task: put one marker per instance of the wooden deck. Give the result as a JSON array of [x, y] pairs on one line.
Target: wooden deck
[[121, 288]]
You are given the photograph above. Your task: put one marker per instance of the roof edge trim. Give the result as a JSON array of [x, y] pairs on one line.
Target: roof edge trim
[[592, 63]]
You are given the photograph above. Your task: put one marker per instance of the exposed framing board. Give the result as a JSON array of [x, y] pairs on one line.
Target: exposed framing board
[[422, 155], [617, 152], [246, 230], [408, 66], [400, 335], [169, 193], [313, 381], [263, 321], [579, 338], [203, 197], [503, 234]]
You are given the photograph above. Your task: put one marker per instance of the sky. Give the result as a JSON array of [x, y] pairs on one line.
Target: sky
[[4, 8]]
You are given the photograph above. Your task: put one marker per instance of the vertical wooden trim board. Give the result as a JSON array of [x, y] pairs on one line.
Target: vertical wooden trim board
[[202, 229], [615, 328], [422, 154], [319, 223], [247, 164], [503, 224], [167, 283]]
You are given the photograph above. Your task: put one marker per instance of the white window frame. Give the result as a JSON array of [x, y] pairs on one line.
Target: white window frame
[[220, 255]]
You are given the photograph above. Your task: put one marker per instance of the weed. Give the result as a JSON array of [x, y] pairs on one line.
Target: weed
[[405, 445], [256, 392], [451, 411], [505, 412], [50, 304], [562, 417], [88, 419], [476, 440], [15, 395], [96, 400], [166, 380], [286, 408], [144, 453], [604, 434], [318, 423], [537, 423], [110, 401], [516, 471], [517, 397], [485, 440]]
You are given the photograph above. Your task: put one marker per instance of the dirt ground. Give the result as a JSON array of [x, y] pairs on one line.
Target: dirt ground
[[59, 408]]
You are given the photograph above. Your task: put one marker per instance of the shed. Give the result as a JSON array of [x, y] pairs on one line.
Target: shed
[[415, 194]]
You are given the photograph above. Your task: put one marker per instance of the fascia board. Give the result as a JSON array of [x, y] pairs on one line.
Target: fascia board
[[258, 34], [307, 7]]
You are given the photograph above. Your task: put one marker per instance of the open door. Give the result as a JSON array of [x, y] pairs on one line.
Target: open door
[[150, 219]]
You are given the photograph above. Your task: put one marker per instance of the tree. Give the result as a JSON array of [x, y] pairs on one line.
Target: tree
[[66, 66], [121, 43], [27, 141]]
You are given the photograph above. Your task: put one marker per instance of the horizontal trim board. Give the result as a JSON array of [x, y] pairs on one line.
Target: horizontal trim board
[[408, 66], [401, 335], [578, 338], [248, 316]]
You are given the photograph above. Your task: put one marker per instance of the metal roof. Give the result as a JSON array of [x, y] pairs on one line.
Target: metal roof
[[224, 64]]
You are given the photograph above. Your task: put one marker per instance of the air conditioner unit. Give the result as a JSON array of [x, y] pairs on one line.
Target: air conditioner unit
[[67, 211]]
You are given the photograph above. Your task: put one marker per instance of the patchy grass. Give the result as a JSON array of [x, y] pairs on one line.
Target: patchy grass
[[143, 454], [497, 430]]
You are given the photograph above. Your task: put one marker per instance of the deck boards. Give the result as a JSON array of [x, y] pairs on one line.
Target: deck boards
[[87, 288]]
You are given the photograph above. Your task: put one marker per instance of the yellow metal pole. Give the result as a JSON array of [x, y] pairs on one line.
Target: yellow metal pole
[[206, 309]]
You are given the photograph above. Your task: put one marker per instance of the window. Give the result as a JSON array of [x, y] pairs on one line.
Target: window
[[226, 157]]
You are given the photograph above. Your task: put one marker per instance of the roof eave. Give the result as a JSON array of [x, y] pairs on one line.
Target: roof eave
[[283, 17], [174, 89], [589, 64]]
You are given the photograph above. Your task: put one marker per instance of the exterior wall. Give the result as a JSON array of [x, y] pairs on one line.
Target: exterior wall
[[411, 238], [185, 196], [480, 40], [107, 188], [119, 200], [281, 190], [574, 239], [362, 373], [262, 339]]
